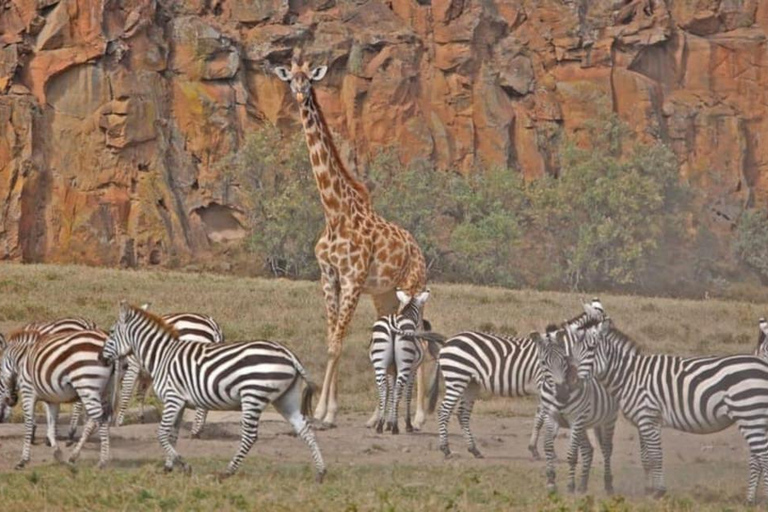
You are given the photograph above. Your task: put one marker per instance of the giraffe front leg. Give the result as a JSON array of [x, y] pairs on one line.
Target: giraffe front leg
[[330, 284], [348, 299]]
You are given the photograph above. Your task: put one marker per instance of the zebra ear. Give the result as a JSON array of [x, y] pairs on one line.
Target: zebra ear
[[146, 306], [403, 297], [422, 297], [763, 326], [125, 308]]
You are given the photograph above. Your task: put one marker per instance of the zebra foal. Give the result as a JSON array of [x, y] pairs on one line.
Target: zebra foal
[[699, 395], [245, 376], [190, 327], [396, 353], [56, 369]]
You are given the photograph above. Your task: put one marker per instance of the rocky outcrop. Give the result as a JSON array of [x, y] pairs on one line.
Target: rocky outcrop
[[115, 116]]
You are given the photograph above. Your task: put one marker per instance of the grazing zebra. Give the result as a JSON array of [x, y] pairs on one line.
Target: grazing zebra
[[62, 325], [56, 369], [699, 395], [395, 348], [583, 405], [190, 327], [503, 366], [245, 375]]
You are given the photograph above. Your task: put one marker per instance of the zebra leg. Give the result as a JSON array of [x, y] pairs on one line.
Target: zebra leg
[[757, 440], [604, 435], [587, 452], [289, 406], [52, 415], [453, 393], [550, 433], [197, 426], [650, 440], [28, 402], [95, 414], [382, 387], [421, 391], [576, 438], [252, 407], [77, 411], [400, 383], [408, 396], [104, 442], [144, 382], [538, 422], [126, 391], [173, 408], [465, 412]]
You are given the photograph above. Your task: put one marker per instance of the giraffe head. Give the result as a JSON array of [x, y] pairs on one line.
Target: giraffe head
[[300, 76]]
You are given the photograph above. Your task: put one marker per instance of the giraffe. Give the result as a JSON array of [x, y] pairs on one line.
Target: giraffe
[[358, 251]]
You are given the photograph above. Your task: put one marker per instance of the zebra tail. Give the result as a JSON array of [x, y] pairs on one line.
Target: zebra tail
[[434, 388], [310, 388], [112, 393], [435, 341]]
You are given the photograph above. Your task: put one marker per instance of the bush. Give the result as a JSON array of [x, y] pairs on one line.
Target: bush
[[596, 225], [751, 241]]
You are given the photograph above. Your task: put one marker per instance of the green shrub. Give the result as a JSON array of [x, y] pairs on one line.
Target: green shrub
[[751, 241]]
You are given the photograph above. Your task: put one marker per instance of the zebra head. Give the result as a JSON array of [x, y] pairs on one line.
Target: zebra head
[[118, 342], [557, 370], [412, 307], [762, 339], [300, 77], [594, 353]]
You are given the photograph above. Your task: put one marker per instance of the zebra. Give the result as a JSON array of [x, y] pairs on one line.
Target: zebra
[[190, 327], [62, 325], [396, 347], [583, 406], [699, 395], [501, 365], [246, 375], [56, 369]]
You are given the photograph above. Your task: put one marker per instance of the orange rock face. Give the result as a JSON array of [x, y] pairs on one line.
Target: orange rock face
[[115, 116]]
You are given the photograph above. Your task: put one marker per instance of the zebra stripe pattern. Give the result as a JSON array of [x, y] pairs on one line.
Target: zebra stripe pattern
[[395, 349], [56, 369], [585, 406], [693, 394], [230, 376], [190, 327]]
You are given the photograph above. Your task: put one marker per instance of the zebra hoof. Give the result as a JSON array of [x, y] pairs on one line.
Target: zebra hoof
[[195, 435], [658, 494], [223, 475], [395, 430], [57, 456], [320, 476], [474, 451], [185, 468], [446, 451], [551, 488], [72, 467], [102, 464], [47, 442], [409, 429], [20, 465], [609, 490], [379, 428], [534, 452]]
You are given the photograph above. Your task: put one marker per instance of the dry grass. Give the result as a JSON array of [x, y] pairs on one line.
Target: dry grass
[[292, 312]]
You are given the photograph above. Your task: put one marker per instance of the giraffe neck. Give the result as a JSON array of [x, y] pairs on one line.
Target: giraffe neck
[[340, 192]]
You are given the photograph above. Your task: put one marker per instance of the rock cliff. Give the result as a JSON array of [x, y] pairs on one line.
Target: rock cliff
[[116, 114]]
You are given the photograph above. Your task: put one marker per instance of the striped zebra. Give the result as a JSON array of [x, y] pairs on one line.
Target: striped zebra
[[395, 349], [190, 327], [245, 375], [56, 369], [500, 365], [699, 395], [581, 405], [62, 325]]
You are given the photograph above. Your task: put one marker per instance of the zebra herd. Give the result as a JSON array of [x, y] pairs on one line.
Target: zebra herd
[[584, 370]]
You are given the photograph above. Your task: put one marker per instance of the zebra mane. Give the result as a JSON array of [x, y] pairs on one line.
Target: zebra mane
[[156, 320], [621, 342], [22, 332]]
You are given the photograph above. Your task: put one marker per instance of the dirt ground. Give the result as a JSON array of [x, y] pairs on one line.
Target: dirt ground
[[694, 464]]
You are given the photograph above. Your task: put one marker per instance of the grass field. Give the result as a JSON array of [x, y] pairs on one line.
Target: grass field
[[292, 312]]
